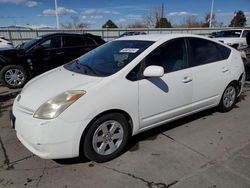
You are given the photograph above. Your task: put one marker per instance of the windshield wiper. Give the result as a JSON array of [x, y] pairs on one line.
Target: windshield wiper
[[87, 66]]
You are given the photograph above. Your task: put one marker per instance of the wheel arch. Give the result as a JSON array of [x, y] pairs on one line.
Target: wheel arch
[[124, 113], [238, 83]]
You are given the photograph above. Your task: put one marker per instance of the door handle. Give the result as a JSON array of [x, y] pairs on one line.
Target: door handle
[[225, 69], [187, 79], [59, 53]]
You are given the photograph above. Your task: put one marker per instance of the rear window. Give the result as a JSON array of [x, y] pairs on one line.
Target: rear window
[[203, 51], [227, 33], [71, 41], [89, 42], [225, 52]]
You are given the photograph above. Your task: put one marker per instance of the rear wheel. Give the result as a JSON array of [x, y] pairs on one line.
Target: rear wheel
[[13, 76], [229, 98], [106, 138]]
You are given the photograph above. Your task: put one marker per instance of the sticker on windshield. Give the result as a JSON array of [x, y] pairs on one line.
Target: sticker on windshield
[[129, 50]]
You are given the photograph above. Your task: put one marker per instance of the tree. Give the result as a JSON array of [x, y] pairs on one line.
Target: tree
[[136, 25], [192, 22], [207, 19], [163, 23], [239, 20], [153, 16], [75, 23], [109, 24], [215, 23]]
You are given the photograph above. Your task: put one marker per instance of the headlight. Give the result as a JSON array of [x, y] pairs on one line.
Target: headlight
[[55, 106]]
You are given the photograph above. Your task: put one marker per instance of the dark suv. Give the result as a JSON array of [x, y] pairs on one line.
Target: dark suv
[[42, 54]]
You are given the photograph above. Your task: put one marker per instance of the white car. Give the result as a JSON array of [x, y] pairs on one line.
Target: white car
[[4, 44], [233, 37], [94, 104]]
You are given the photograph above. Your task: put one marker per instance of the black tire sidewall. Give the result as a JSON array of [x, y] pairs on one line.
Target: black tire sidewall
[[88, 149], [5, 69], [222, 107]]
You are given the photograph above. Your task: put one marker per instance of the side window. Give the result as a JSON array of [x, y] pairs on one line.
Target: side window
[[71, 41], [245, 33], [89, 42], [172, 56], [203, 52], [225, 52], [133, 75], [54, 42]]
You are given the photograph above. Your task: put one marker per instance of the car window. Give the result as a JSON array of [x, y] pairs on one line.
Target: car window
[[108, 58], [245, 33], [89, 42], [71, 41], [172, 56], [203, 51], [227, 34], [224, 51], [54, 42]]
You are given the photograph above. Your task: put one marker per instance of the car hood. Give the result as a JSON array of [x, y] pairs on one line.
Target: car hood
[[9, 52], [52, 83]]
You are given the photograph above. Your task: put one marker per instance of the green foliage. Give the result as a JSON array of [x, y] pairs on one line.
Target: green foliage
[[163, 23], [239, 20], [109, 24]]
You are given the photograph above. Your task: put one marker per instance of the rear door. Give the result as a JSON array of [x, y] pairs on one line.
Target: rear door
[[75, 46], [210, 71]]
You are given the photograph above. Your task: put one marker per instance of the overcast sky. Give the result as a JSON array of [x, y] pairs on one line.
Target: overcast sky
[[97, 12]]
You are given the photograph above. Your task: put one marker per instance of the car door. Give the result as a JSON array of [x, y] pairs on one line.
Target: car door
[[47, 54], [210, 72], [163, 98]]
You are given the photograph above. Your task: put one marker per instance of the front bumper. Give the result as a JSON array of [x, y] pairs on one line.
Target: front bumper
[[48, 139]]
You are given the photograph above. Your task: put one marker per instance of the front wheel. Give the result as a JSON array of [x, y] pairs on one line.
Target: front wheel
[[106, 138], [228, 98], [13, 76]]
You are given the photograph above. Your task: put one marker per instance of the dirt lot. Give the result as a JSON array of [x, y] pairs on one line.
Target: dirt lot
[[208, 149]]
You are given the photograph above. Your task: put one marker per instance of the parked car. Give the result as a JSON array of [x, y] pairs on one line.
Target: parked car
[[42, 54], [4, 43], [122, 88], [246, 56], [130, 33], [233, 37]]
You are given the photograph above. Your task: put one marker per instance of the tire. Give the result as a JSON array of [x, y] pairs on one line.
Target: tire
[[13, 76], [101, 142], [229, 98]]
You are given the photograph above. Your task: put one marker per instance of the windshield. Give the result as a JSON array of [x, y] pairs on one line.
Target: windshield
[[228, 33], [29, 43], [108, 58]]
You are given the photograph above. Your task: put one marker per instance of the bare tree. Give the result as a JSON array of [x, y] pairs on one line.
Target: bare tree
[[215, 22], [75, 23], [136, 25], [75, 20], [152, 17], [192, 22]]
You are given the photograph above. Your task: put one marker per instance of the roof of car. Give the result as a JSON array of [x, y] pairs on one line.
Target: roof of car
[[157, 37], [71, 34]]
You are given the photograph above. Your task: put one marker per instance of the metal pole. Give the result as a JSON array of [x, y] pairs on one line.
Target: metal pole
[[57, 18], [211, 14]]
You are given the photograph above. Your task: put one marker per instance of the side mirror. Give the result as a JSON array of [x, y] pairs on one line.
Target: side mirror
[[153, 71]]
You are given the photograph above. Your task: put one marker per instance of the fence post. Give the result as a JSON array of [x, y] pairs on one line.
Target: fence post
[[10, 36]]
